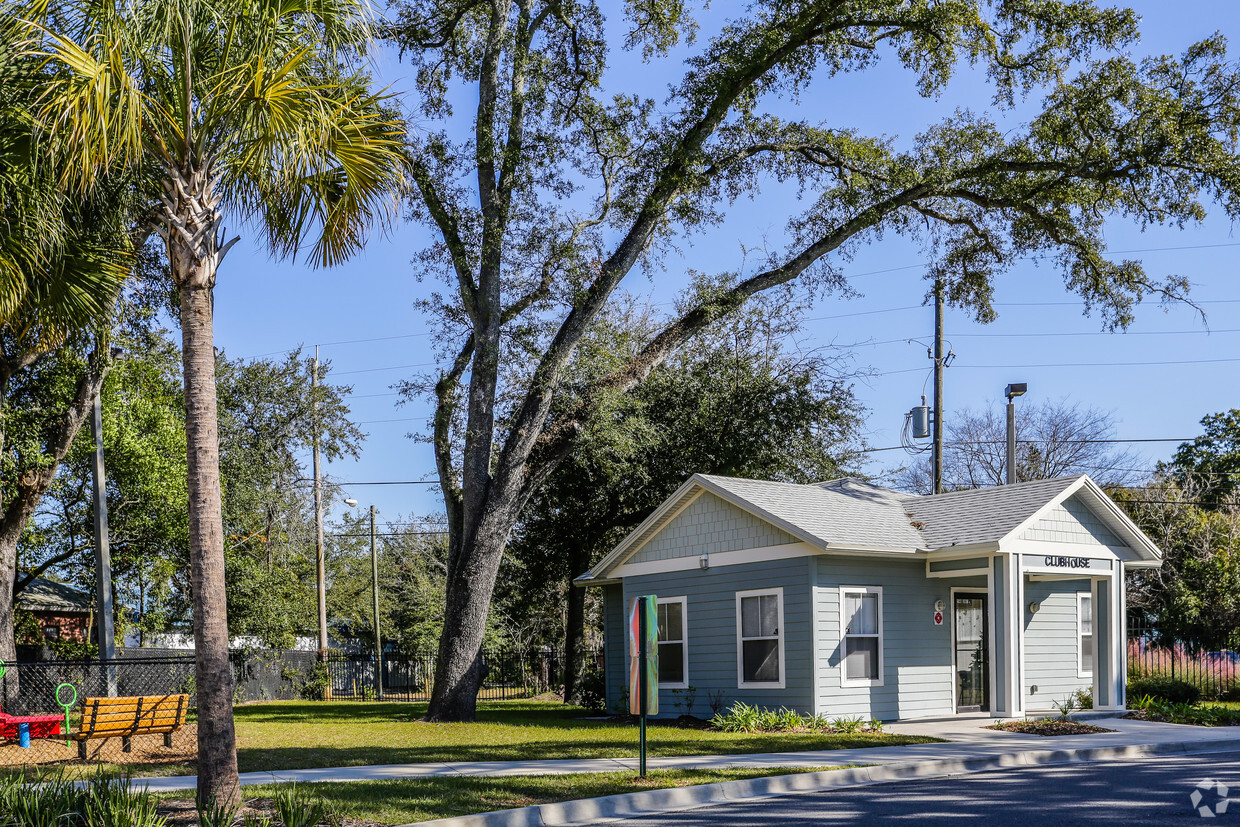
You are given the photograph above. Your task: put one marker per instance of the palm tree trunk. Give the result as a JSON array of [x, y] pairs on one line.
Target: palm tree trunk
[[217, 741]]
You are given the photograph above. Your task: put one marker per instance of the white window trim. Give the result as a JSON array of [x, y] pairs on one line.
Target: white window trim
[[740, 648], [1081, 671], [684, 641], [844, 679]]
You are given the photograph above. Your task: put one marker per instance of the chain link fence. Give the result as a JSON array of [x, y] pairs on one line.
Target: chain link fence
[[30, 688], [263, 675]]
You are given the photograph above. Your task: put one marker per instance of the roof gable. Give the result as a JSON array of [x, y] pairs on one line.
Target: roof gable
[[1072, 521], [981, 515], [709, 523]]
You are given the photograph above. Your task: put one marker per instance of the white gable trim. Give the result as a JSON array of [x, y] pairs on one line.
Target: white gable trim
[[1103, 507]]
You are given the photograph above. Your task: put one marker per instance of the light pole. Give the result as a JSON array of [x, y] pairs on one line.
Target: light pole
[[1011, 392], [374, 584]]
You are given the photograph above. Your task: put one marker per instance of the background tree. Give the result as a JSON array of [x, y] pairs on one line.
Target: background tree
[[265, 421], [1053, 439], [62, 259], [738, 401], [1210, 464], [553, 190], [258, 110], [1194, 597]]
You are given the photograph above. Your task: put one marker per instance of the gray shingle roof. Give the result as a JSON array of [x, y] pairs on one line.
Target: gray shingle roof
[[980, 515], [43, 595], [845, 512], [852, 512]]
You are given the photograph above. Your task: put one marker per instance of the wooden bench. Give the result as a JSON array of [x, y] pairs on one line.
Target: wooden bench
[[126, 717]]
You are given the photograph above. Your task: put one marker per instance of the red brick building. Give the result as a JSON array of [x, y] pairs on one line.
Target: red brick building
[[62, 612]]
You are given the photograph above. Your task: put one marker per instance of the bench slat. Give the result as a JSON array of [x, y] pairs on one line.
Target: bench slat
[[113, 717]]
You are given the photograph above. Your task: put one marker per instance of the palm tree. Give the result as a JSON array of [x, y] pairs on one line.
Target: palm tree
[[254, 109], [63, 259]]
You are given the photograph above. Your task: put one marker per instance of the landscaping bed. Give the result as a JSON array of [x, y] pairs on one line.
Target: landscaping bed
[[1049, 727]]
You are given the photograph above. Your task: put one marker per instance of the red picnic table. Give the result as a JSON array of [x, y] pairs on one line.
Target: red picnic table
[[41, 726]]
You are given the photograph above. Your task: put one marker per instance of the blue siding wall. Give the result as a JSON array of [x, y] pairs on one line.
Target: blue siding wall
[[711, 613], [1051, 642], [916, 653], [615, 660]]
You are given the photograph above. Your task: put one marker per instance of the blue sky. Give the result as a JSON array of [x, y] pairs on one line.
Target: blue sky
[[1158, 379]]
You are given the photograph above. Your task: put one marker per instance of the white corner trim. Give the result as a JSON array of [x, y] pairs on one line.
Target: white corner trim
[[778, 591], [684, 641], [844, 679]]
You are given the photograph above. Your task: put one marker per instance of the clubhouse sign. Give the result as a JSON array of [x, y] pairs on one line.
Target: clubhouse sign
[[1066, 564]]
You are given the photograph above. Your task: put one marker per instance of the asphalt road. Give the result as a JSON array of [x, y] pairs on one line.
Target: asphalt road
[[1153, 791]]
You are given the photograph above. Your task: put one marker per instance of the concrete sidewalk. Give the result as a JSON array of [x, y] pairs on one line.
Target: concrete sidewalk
[[967, 740]]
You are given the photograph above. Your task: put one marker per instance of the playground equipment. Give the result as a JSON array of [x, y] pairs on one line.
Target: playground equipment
[[25, 727], [65, 705]]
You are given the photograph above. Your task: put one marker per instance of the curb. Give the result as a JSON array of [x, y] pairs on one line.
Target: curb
[[675, 799]]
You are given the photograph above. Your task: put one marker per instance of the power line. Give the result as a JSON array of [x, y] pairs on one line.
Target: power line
[[392, 482], [1065, 365]]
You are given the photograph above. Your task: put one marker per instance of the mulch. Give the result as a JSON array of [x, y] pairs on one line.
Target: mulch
[[1049, 727], [146, 749]]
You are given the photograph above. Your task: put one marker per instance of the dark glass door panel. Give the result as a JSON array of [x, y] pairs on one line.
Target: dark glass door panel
[[972, 653]]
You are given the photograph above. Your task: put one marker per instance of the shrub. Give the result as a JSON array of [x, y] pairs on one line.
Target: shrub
[[296, 810], [314, 687], [1165, 688], [1085, 698], [740, 718], [54, 801], [591, 691], [684, 699], [848, 726]]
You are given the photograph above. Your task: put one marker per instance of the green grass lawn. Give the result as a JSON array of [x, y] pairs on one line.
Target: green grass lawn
[[405, 801], [1224, 704], [309, 734], [297, 735]]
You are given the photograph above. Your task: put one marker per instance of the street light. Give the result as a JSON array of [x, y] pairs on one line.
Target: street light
[[1011, 392], [374, 574]]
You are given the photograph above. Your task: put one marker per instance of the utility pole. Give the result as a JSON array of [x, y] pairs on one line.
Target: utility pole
[[937, 452], [103, 554], [320, 566], [374, 572]]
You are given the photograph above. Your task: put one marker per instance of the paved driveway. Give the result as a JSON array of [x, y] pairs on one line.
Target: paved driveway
[[1153, 791]]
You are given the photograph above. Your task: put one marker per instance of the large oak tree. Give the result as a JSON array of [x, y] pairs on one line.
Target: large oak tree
[[550, 191]]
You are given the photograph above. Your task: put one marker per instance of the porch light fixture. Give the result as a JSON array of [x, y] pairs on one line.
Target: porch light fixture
[[1034, 606], [939, 605], [704, 560]]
